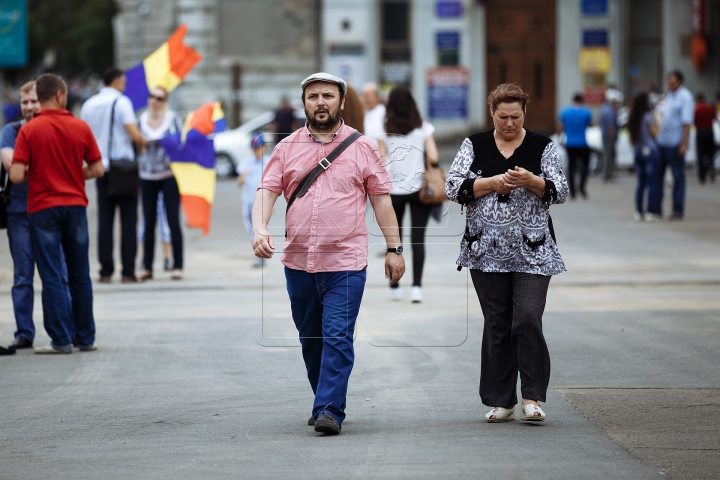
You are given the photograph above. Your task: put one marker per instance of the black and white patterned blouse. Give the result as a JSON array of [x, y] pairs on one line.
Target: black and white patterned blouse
[[513, 232]]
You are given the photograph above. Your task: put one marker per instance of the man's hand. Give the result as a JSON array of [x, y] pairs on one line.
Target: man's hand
[[682, 149], [263, 244], [394, 267]]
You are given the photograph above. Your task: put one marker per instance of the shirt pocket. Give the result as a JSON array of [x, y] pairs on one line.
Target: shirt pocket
[[535, 247]]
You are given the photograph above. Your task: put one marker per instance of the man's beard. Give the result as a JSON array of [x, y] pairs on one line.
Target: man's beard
[[325, 126]]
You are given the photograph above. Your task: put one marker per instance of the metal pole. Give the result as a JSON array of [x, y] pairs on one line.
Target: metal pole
[[2, 97], [236, 73]]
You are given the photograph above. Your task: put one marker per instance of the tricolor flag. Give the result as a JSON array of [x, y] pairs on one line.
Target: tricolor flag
[[193, 162], [166, 67]]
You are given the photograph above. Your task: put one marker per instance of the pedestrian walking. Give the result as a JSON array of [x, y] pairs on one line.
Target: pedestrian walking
[[325, 251], [156, 176], [250, 173], [165, 238], [508, 178], [407, 145], [55, 153], [353, 115], [609, 128], [284, 122], [705, 116], [374, 121], [18, 229], [677, 116], [574, 121], [643, 130], [111, 118]]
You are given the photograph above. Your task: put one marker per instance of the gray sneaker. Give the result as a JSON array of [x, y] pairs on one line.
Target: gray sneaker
[[49, 349], [327, 424], [87, 348], [311, 421]]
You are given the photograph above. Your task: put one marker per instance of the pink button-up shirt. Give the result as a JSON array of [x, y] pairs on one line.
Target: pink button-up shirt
[[326, 229]]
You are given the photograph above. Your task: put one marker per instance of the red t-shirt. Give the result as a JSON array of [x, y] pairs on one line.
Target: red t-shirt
[[53, 146], [704, 116]]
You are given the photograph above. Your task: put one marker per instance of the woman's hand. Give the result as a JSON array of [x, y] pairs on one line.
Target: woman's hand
[[499, 184], [519, 177]]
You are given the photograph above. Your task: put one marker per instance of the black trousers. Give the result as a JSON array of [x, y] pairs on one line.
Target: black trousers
[[419, 216], [705, 142], [578, 161], [171, 195], [513, 306], [128, 230]]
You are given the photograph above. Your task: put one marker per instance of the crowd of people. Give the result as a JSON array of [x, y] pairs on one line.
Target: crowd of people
[[659, 129], [47, 221]]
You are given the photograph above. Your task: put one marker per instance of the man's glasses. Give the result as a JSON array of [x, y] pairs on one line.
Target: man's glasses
[[159, 99]]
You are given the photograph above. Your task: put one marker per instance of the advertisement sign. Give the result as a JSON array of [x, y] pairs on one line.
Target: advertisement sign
[[13, 33], [594, 8], [595, 37], [448, 93], [594, 60], [448, 9]]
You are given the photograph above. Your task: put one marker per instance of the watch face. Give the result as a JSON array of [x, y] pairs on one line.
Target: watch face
[[399, 249]]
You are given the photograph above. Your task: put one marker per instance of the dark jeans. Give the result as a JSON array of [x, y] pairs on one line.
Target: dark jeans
[[671, 156], [324, 308], [56, 231], [609, 155], [150, 190], [513, 306], [23, 294], [419, 215], [647, 167], [128, 230], [578, 159], [705, 142]]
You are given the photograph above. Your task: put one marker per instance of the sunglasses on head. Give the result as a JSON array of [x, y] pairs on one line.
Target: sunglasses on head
[[159, 99]]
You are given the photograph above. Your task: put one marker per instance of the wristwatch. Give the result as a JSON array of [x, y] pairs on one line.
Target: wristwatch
[[398, 250]]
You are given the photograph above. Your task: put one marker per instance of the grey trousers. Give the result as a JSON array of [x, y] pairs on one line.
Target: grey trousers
[[513, 341]]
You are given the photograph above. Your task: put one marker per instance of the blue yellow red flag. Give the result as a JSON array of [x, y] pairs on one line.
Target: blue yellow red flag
[[166, 67], [192, 158]]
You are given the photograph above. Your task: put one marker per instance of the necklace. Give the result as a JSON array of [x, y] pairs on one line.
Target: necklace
[[502, 152]]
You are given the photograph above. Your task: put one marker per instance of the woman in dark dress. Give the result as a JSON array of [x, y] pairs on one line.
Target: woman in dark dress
[[507, 178]]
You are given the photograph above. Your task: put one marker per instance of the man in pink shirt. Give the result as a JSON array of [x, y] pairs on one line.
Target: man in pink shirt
[[325, 250]]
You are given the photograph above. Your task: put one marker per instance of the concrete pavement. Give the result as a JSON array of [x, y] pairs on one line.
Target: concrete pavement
[[203, 377]]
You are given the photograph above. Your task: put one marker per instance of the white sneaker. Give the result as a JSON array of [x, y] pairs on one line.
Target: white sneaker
[[396, 293], [416, 294], [652, 217], [638, 217]]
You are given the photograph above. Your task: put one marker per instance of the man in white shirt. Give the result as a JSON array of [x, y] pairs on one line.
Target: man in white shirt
[[374, 124], [118, 145]]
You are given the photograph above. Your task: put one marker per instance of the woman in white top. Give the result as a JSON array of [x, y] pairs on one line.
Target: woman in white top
[[405, 145], [155, 177]]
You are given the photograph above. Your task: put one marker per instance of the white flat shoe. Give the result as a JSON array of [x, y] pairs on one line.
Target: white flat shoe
[[396, 294], [500, 414], [532, 413]]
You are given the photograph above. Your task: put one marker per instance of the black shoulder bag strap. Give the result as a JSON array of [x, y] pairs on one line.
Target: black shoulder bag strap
[[112, 124], [322, 165]]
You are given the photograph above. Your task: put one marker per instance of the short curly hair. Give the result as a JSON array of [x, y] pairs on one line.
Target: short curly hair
[[507, 93]]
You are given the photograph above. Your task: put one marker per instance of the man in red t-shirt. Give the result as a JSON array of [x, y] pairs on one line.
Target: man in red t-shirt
[[55, 154], [704, 139]]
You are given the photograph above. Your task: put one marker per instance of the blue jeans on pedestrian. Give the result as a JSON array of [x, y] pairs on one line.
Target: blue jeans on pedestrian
[[647, 166], [23, 293], [671, 156], [324, 307], [55, 231]]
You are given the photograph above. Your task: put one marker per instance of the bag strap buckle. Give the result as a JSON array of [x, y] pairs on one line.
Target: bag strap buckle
[[324, 163]]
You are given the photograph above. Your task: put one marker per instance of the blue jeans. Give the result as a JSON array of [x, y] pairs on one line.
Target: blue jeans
[[671, 156], [324, 307], [23, 294], [55, 231], [647, 167]]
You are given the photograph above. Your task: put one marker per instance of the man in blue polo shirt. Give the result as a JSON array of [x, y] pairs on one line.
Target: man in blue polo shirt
[[574, 120], [678, 115]]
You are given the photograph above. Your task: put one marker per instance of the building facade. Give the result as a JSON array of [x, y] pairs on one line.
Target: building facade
[[449, 52]]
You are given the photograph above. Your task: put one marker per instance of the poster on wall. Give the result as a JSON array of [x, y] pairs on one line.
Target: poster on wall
[[448, 93], [348, 62]]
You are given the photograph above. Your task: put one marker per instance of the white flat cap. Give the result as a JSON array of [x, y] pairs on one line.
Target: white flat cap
[[325, 77]]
